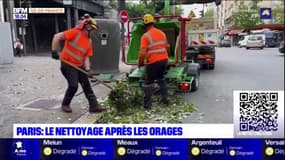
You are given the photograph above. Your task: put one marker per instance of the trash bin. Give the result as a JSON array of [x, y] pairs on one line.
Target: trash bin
[[106, 47]]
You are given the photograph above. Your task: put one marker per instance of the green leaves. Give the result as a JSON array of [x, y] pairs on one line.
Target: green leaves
[[247, 17], [124, 97], [126, 106], [147, 7]]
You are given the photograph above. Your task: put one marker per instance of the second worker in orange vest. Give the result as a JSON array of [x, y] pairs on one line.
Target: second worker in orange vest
[[77, 50], [153, 48]]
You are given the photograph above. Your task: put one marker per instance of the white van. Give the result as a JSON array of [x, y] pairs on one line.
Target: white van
[[259, 35], [255, 41], [242, 41]]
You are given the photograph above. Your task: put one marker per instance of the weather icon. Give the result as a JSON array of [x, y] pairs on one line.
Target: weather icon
[[158, 152], [232, 152], [47, 151], [269, 151], [195, 151], [84, 152], [121, 151]]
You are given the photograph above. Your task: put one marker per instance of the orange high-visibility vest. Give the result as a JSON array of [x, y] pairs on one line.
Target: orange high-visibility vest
[[156, 45], [77, 46]]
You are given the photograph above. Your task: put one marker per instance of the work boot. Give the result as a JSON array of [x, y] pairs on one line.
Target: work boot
[[96, 108], [147, 107], [163, 91], [66, 108], [148, 91], [165, 101]]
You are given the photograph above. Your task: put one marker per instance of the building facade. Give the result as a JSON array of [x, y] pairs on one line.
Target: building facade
[[38, 30], [228, 8]]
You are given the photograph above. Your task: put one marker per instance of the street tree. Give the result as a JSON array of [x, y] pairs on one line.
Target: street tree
[[148, 7], [278, 14], [209, 13], [247, 16]]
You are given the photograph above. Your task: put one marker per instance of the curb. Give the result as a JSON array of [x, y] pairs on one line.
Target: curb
[[88, 118]]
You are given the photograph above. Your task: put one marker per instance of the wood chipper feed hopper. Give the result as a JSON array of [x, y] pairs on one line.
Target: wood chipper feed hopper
[[180, 76]]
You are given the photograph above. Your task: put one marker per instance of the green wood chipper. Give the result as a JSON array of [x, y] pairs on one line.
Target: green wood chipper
[[181, 75]]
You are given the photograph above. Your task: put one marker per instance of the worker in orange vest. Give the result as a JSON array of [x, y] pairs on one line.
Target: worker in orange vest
[[153, 48], [77, 50]]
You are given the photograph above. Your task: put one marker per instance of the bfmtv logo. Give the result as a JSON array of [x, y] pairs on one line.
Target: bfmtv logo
[[20, 13], [19, 149]]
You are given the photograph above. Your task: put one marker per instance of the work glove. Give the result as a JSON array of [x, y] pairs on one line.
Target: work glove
[[89, 74], [54, 55]]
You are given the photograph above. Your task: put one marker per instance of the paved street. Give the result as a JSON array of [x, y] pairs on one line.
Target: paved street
[[236, 69]]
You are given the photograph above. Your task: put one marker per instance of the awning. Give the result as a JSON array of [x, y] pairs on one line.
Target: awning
[[270, 26], [234, 32]]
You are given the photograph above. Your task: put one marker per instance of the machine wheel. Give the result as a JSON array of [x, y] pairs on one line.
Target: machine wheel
[[247, 48], [193, 69]]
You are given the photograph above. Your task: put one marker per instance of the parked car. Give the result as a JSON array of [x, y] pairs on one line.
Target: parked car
[[225, 43], [281, 47], [242, 41], [255, 41]]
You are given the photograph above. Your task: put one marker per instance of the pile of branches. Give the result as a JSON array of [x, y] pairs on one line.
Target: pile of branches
[[126, 106]]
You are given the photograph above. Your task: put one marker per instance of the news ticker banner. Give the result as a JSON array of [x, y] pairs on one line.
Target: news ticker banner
[[150, 149], [165, 131], [34, 131]]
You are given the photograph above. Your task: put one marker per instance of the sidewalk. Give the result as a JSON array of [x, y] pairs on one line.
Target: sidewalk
[[31, 91]]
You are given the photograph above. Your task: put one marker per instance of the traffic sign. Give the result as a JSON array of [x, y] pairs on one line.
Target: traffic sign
[[191, 14], [124, 16], [265, 13]]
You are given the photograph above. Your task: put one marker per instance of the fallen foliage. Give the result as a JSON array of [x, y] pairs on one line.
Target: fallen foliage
[[125, 105]]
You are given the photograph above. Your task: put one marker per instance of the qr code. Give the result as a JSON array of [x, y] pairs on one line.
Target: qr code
[[258, 111]]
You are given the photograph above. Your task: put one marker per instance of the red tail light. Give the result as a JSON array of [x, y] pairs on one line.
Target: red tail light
[[209, 60], [184, 86]]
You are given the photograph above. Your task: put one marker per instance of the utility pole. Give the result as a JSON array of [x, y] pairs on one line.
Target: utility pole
[[122, 6], [11, 19], [23, 31], [202, 12]]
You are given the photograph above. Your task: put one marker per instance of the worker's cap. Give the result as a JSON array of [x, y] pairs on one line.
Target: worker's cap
[[92, 22], [148, 18]]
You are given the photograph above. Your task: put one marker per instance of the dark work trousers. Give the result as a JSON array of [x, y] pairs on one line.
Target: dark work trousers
[[155, 72], [74, 76], [18, 52]]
